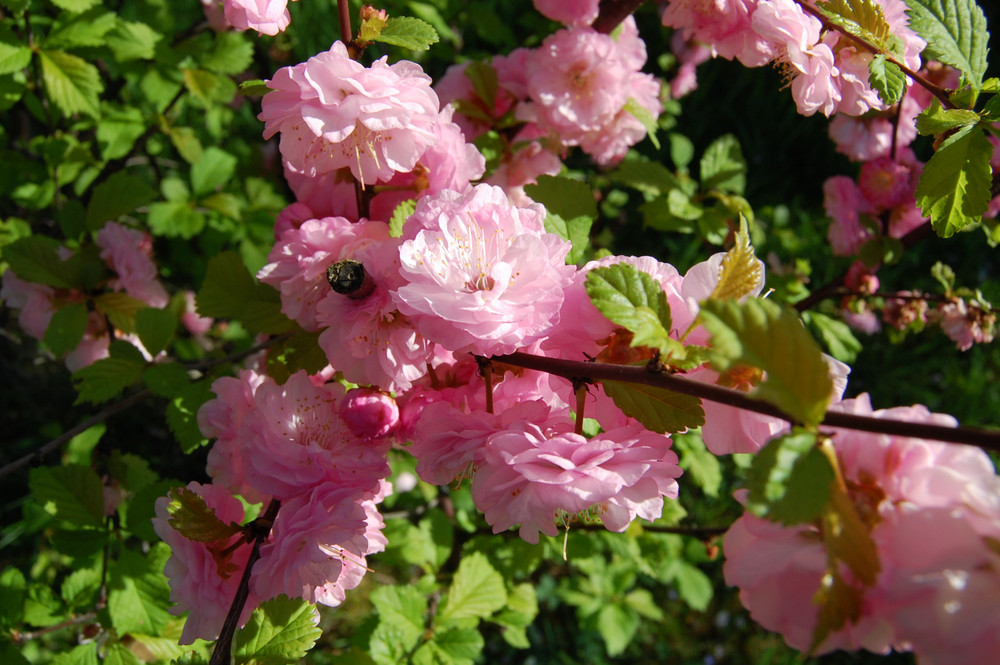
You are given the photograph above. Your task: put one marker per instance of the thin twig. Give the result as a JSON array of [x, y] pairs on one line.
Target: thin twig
[[613, 12], [974, 436]]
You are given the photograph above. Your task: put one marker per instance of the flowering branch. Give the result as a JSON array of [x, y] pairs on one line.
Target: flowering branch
[[613, 12], [981, 438]]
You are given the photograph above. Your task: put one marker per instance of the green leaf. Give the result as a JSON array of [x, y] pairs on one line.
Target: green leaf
[[399, 215], [936, 120], [71, 493], [693, 586], [195, 520], [566, 197], [681, 150], [789, 480], [118, 130], [14, 55], [35, 259], [80, 448], [120, 308], [72, 83], [698, 463], [403, 608], [617, 625], [837, 336], [182, 414], [299, 351], [176, 219], [66, 328], [759, 333], [476, 591], [87, 29], [75, 6], [231, 53], [119, 654], [79, 589], [155, 328], [253, 88], [723, 167], [848, 538], [887, 79], [208, 87], [484, 82], [634, 300], [955, 31], [119, 195], [645, 117], [954, 187], [458, 646], [131, 40], [108, 377], [408, 32], [85, 654], [138, 592], [187, 143], [650, 177], [658, 409], [576, 231], [864, 19], [282, 630], [215, 168], [740, 273], [838, 603], [230, 292], [13, 591]]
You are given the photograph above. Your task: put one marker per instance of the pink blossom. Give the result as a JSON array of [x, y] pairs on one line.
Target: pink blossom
[[369, 413], [34, 300], [204, 576], [94, 345], [904, 218], [128, 252], [886, 183], [722, 24], [267, 17], [333, 112], [870, 136], [610, 144], [298, 262], [844, 203], [294, 440], [215, 16], [533, 476], [569, 12], [966, 325], [481, 274], [222, 419], [195, 324], [523, 166], [690, 54], [455, 87], [857, 96]]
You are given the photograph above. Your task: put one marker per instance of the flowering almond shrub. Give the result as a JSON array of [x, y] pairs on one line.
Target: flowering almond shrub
[[419, 334]]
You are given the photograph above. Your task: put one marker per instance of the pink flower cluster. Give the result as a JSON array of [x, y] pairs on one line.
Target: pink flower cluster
[[267, 17], [933, 512]]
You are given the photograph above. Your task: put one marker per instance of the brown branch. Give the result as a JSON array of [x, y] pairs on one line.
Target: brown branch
[[974, 436], [612, 13], [344, 13], [222, 655]]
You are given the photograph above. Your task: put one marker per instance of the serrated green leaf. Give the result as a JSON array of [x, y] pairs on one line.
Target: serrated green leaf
[[88, 29], [740, 273], [13, 591], [208, 87], [71, 493], [837, 336], [402, 607], [693, 586], [215, 168], [408, 32], [399, 215], [935, 119], [119, 654], [195, 520], [759, 333], [131, 40], [72, 83], [698, 463], [723, 167], [176, 219], [155, 328], [230, 292], [66, 328], [118, 130], [646, 176], [658, 409], [566, 197], [182, 414], [646, 118], [279, 632], [954, 187], [84, 654], [576, 231], [476, 591], [138, 592], [119, 195], [187, 143], [14, 54], [887, 79], [955, 32], [458, 646], [254, 88], [864, 19], [108, 377], [789, 480], [231, 53], [634, 300], [79, 589], [120, 308], [617, 625]]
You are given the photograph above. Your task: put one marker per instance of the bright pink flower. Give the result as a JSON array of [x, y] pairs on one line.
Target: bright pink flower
[[204, 576], [333, 112], [722, 24], [610, 144], [294, 440], [369, 413], [886, 183], [456, 86], [128, 252], [844, 203], [34, 301], [222, 419], [523, 166], [870, 137], [533, 476], [267, 17], [481, 274], [569, 12]]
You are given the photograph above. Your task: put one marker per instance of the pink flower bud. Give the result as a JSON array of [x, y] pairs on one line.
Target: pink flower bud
[[369, 413]]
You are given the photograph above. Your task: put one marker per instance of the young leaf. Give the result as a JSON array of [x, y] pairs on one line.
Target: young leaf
[[71, 493], [693, 586], [195, 520], [723, 166], [408, 32], [282, 630], [789, 480], [658, 409], [75, 6], [645, 117], [72, 83], [617, 625], [66, 328], [576, 231], [182, 414], [231, 53], [954, 187], [633, 300], [403, 607], [118, 130], [14, 55], [759, 333], [567, 197], [476, 591], [740, 273], [936, 120], [887, 79], [861, 18], [399, 215], [838, 603], [698, 463], [13, 590], [836, 335], [955, 31], [87, 29]]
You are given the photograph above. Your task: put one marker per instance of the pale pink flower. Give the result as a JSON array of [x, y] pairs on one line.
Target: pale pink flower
[[524, 164], [905, 218], [610, 144], [369, 413], [569, 12], [966, 325], [722, 24], [129, 253], [33, 300], [857, 96], [481, 274], [328, 194], [690, 54], [222, 419], [267, 17], [844, 203], [195, 323], [292, 216], [870, 136], [298, 262], [294, 440], [474, 115], [204, 576], [333, 112], [215, 15], [533, 476], [94, 345]]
